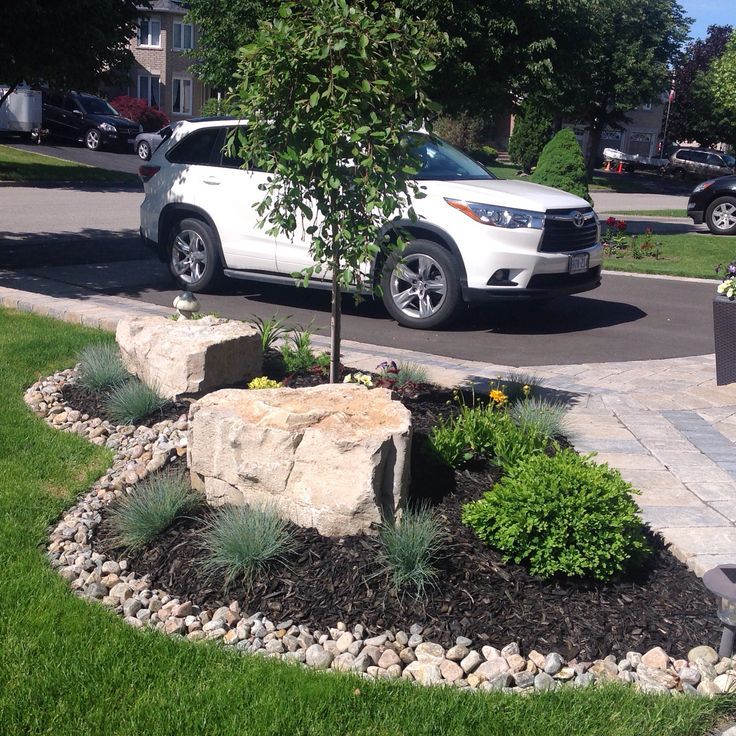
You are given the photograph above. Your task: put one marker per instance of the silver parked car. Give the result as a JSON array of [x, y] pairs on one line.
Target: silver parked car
[[146, 143], [701, 163]]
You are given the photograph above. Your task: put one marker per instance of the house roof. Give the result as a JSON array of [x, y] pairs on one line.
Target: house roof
[[177, 7]]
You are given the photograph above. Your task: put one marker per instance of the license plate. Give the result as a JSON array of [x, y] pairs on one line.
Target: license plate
[[578, 263]]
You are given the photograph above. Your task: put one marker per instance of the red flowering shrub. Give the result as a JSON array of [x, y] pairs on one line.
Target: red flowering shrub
[[151, 118]]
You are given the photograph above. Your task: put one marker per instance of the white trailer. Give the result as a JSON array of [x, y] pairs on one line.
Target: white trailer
[[21, 111]]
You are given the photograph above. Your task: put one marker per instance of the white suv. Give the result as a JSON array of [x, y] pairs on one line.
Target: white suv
[[477, 238]]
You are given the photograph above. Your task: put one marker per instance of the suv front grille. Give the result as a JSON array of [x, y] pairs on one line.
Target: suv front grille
[[561, 235]]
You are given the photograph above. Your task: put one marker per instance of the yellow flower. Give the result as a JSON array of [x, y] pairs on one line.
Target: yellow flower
[[526, 389], [263, 382], [498, 397]]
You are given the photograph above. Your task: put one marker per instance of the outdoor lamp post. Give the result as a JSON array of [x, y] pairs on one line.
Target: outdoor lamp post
[[186, 304], [721, 581]]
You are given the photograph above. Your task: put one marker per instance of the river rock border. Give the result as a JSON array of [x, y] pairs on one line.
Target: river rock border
[[389, 655]]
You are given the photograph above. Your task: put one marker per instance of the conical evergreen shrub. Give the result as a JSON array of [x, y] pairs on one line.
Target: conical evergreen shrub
[[561, 165]]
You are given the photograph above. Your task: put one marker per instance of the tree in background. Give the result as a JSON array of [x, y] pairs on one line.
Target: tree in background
[[561, 165], [696, 113], [494, 49], [330, 90], [722, 82], [66, 45], [224, 27], [619, 59], [532, 131]]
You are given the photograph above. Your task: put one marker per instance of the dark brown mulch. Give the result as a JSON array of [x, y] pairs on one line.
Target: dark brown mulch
[[477, 595], [93, 404]]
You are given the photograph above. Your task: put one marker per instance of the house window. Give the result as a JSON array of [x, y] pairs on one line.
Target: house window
[[181, 96], [149, 33], [148, 89], [183, 36]]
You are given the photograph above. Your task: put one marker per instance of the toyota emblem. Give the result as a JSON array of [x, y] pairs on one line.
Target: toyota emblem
[[578, 218]]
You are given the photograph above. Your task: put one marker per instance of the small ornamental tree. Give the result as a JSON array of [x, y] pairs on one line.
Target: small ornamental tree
[[561, 165], [532, 131], [329, 90]]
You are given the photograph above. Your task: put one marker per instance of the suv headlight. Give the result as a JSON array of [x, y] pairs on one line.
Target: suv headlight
[[488, 214], [108, 127], [703, 185]]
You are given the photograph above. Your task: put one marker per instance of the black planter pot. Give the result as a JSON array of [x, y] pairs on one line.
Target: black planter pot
[[724, 328]]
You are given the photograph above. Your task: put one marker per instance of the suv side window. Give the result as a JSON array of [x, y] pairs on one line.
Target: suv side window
[[684, 155], [71, 104], [54, 99], [196, 148], [714, 160], [699, 157]]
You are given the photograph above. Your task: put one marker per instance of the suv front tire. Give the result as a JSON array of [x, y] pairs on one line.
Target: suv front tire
[[420, 285]]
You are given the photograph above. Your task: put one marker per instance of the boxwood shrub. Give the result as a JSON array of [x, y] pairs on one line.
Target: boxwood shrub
[[561, 515]]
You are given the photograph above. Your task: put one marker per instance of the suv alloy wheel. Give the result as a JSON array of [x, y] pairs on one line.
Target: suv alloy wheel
[[420, 285], [193, 259], [93, 139]]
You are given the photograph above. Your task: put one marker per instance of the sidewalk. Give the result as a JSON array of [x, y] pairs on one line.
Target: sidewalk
[[663, 423]]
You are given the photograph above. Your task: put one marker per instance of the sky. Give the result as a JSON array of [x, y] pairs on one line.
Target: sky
[[707, 13]]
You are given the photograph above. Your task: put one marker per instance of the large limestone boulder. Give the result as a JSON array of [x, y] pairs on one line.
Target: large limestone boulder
[[189, 356], [333, 457]]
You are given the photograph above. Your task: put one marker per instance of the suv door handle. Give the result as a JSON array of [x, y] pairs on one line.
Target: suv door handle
[[211, 180]]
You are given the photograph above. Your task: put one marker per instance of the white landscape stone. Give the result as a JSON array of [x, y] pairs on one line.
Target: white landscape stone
[[189, 356], [334, 457]]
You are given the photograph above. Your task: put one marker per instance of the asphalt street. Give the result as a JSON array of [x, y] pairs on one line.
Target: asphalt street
[[72, 241]]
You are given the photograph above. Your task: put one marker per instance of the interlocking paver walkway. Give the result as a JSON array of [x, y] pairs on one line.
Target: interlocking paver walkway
[[663, 423]]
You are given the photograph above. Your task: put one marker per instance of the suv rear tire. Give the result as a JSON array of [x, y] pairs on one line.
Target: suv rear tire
[[420, 285], [720, 217], [192, 255]]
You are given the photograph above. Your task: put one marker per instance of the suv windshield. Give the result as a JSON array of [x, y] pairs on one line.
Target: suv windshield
[[96, 106], [441, 161]]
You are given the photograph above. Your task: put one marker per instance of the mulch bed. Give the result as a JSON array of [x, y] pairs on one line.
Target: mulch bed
[[93, 404], [478, 594]]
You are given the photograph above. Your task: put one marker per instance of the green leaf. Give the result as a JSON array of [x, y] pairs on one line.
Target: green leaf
[[340, 45], [284, 11], [365, 85], [313, 99]]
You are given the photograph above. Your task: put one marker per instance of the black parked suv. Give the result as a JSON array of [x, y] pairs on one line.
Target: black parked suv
[[82, 117], [714, 202]]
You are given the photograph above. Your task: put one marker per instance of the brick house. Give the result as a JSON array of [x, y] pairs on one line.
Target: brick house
[[160, 73]]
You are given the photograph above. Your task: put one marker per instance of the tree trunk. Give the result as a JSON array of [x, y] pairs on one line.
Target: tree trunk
[[335, 319], [594, 140], [9, 92]]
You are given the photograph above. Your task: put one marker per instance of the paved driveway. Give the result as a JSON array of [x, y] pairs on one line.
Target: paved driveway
[[75, 241]]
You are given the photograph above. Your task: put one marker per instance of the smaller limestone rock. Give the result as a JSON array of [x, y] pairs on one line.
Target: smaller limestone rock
[[703, 652], [471, 662], [388, 658], [553, 663], [457, 653], [726, 683], [543, 682], [656, 657], [429, 652], [318, 657], [450, 670]]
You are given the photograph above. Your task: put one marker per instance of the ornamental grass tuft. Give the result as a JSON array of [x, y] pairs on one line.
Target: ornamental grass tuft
[[132, 401], [151, 508], [409, 549], [546, 418], [101, 367], [242, 542]]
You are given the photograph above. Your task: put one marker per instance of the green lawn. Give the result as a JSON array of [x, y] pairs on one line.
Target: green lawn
[[504, 171], [695, 255], [24, 166], [70, 667], [652, 213]]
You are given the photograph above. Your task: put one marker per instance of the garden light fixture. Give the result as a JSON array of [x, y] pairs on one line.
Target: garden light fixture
[[186, 304], [721, 581]]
